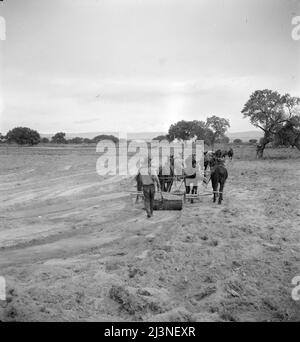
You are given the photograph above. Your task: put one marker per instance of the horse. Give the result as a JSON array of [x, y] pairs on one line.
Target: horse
[[230, 153], [218, 154], [218, 176], [224, 154]]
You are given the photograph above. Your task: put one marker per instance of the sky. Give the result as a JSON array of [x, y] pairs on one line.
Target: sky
[[141, 65]]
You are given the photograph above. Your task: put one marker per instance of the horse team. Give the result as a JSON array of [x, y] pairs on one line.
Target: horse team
[[218, 173]]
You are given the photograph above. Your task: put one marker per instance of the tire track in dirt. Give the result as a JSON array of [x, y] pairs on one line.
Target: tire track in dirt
[[76, 242]]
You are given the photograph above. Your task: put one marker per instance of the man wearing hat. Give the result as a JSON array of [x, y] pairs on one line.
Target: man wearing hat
[[148, 177]]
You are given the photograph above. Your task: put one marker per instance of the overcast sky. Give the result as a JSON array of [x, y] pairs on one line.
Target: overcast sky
[[140, 65]]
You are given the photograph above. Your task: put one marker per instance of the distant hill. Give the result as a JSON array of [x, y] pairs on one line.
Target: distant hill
[[90, 135], [244, 136]]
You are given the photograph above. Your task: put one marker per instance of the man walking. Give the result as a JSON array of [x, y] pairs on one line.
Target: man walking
[[148, 177], [190, 176]]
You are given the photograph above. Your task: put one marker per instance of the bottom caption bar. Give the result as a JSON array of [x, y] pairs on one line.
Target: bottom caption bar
[[149, 330]]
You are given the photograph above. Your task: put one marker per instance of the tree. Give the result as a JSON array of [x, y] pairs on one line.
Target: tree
[[181, 130], [292, 110], [237, 141], [253, 141], [105, 137], [290, 132], [288, 135], [45, 140], [223, 140], [2, 138], [187, 130], [23, 136], [218, 126], [269, 111], [208, 137], [76, 140], [59, 138], [201, 132]]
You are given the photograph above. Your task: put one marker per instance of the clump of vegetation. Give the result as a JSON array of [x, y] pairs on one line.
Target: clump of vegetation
[[105, 137], [59, 138], [2, 138], [276, 115], [45, 140], [76, 140], [211, 131], [23, 136]]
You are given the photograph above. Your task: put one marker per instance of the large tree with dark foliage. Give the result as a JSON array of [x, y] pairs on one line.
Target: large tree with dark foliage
[[209, 131], [23, 136], [288, 135], [218, 126], [59, 138], [271, 112], [223, 140], [182, 130]]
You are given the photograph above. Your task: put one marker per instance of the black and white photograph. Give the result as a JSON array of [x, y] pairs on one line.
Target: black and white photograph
[[150, 163]]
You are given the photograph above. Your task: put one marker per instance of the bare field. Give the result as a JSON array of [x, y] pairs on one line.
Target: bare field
[[74, 247]]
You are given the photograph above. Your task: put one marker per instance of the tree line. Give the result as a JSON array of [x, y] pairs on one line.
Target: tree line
[[277, 115], [27, 136]]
